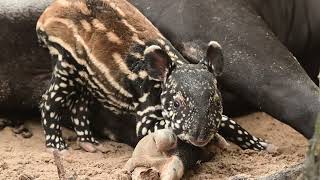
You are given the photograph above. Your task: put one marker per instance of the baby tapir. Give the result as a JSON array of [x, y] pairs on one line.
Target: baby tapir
[[106, 51]]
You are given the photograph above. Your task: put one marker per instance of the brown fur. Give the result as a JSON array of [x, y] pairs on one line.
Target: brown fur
[[64, 17]]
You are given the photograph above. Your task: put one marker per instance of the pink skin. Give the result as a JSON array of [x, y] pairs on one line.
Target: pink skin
[[89, 147], [153, 151]]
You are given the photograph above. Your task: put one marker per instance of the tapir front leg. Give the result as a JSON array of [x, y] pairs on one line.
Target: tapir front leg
[[66, 95], [232, 131]]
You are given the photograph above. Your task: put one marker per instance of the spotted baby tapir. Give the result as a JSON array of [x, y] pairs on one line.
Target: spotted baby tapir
[[106, 51]]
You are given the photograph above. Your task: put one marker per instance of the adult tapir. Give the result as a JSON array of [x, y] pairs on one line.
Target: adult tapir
[[24, 70], [296, 24], [259, 71]]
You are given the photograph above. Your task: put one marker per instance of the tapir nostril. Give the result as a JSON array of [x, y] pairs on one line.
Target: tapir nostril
[[200, 138], [198, 142]]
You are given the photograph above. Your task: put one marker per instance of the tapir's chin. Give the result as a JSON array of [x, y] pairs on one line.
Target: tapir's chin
[[194, 141]]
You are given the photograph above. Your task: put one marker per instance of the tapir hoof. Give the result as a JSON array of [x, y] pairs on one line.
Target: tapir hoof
[[90, 147]]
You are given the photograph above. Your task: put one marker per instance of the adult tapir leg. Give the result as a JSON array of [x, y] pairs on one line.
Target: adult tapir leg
[[24, 69], [257, 66]]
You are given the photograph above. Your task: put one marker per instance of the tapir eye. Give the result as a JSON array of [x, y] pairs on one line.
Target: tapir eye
[[176, 103]]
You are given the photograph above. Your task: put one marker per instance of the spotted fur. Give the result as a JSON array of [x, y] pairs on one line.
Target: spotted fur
[[107, 51]]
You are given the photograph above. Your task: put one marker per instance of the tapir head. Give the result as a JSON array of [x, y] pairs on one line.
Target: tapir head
[[190, 98]]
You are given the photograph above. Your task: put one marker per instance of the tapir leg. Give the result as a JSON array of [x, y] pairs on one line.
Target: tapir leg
[[232, 131]]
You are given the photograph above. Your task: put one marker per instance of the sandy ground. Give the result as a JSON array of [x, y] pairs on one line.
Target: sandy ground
[[26, 159]]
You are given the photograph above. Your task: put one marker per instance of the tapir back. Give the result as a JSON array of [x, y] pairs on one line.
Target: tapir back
[[98, 34]]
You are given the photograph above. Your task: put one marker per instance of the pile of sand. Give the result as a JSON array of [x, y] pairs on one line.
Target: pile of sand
[[27, 159]]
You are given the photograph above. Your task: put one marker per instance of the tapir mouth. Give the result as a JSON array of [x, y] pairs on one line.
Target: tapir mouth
[[199, 143], [194, 141]]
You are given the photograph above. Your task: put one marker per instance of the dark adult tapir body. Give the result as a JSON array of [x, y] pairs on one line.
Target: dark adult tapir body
[[278, 86], [297, 24], [23, 73]]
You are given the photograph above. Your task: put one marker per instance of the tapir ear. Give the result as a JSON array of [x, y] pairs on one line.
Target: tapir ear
[[158, 62], [214, 58]]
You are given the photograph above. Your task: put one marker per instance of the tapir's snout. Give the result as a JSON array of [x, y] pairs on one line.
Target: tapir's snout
[[199, 135]]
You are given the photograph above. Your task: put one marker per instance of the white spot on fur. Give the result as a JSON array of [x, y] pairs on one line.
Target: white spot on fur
[[144, 97], [143, 74], [76, 121], [52, 114], [162, 123], [63, 85], [80, 133], [56, 87], [52, 94], [144, 131], [224, 118], [47, 137], [58, 99], [232, 122], [138, 127], [157, 86], [143, 120], [149, 109], [176, 125]]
